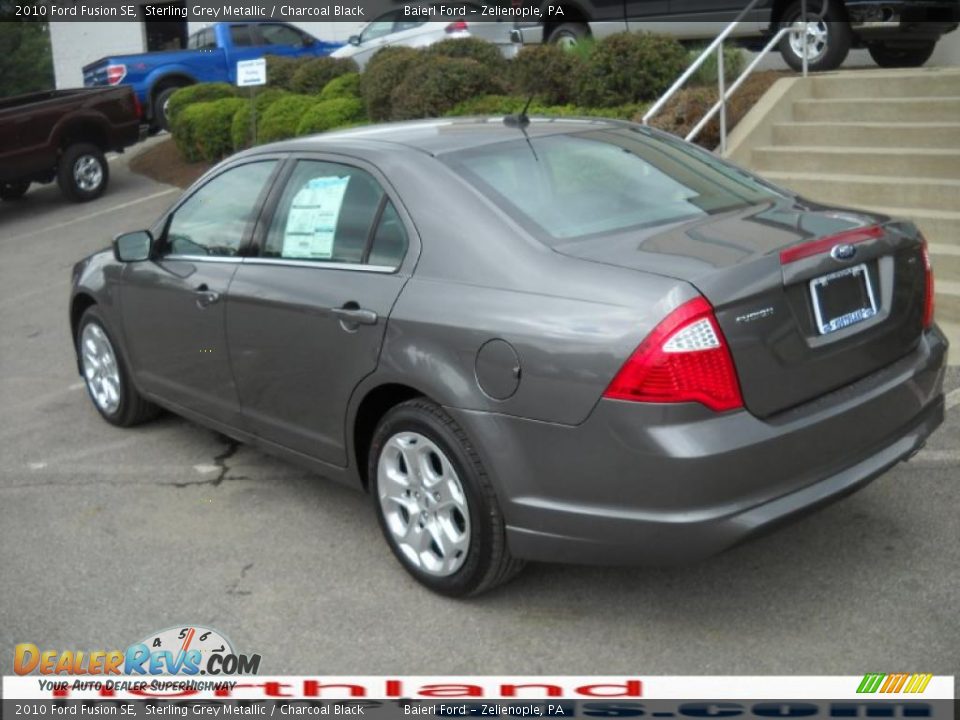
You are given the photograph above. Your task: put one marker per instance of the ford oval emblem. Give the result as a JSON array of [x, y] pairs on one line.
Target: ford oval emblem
[[843, 252]]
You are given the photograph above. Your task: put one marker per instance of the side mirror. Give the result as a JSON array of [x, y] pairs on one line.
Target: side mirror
[[133, 246], [353, 40]]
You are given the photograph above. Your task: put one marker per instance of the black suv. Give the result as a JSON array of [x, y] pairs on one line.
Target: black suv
[[897, 33]]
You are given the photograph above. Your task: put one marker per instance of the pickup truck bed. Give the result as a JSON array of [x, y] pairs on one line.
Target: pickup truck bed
[[64, 135]]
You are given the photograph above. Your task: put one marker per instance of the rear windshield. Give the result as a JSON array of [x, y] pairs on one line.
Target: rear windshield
[[566, 187]]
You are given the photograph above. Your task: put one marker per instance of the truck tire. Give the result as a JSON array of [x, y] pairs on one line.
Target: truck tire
[[568, 34], [14, 190], [160, 102], [903, 56], [83, 172], [829, 40]]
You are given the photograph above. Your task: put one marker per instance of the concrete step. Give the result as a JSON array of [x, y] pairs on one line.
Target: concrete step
[[877, 190], [922, 83], [946, 261], [952, 331], [941, 227], [884, 109], [913, 162], [869, 134], [947, 303]]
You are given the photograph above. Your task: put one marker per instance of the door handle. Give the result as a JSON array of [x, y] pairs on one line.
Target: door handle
[[206, 296], [352, 314]]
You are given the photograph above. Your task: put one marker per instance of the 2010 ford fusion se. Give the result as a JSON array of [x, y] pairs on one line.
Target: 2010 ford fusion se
[[559, 340]]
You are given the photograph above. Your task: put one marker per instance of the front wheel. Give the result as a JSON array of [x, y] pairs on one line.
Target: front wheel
[[902, 57], [14, 190], [106, 375], [826, 42], [568, 35], [83, 173], [435, 503]]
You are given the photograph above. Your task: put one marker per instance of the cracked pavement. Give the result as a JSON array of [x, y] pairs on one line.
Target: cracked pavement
[[110, 534]]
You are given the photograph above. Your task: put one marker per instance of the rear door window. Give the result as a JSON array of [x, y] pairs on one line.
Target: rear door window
[[274, 34], [334, 213]]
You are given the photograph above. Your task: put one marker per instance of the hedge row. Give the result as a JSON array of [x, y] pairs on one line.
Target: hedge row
[[211, 129], [616, 76]]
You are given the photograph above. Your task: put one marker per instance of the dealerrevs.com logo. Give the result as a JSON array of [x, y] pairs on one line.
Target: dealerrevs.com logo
[[190, 650]]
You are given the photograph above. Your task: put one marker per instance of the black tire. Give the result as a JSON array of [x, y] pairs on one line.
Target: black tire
[[14, 190], [132, 408], [569, 34], [488, 562], [902, 57], [160, 119], [83, 173], [839, 37]]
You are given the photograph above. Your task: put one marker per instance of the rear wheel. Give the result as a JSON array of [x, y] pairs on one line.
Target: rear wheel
[[569, 34], [826, 42], [161, 107], [902, 57], [83, 172], [436, 505], [106, 375], [14, 190]]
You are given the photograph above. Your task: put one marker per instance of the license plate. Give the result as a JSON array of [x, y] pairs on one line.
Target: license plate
[[842, 298]]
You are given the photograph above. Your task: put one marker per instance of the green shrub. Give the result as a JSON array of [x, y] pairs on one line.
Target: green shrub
[[344, 86], [201, 130], [281, 119], [706, 74], [330, 114], [508, 104], [492, 105], [201, 92], [311, 77], [546, 71], [627, 68], [484, 52], [241, 131], [384, 71], [435, 84], [280, 70]]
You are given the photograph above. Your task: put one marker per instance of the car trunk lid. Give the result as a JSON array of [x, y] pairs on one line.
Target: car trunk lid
[[801, 319]]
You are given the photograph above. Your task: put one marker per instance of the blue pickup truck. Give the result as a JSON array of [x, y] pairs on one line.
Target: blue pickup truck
[[211, 56]]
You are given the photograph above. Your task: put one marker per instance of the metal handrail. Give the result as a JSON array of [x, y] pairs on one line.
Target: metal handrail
[[723, 93]]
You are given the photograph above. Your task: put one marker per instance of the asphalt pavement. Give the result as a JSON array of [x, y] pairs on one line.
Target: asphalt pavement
[[107, 535]]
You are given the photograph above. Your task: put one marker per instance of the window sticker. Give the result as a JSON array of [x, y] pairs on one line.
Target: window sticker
[[312, 220]]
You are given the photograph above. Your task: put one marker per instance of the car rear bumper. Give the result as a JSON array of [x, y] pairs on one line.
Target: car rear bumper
[[657, 484]]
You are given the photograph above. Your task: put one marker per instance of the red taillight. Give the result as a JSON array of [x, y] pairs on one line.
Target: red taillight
[[928, 291], [137, 108], [684, 359], [457, 26], [116, 73], [815, 247]]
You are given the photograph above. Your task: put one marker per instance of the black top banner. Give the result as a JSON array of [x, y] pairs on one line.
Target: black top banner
[[211, 11]]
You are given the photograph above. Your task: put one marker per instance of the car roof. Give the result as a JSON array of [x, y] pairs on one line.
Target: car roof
[[439, 136]]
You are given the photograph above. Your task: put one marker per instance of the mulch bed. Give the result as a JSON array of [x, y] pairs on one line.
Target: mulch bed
[[163, 163]]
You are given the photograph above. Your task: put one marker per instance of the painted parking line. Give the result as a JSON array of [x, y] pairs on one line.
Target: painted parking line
[[952, 399], [98, 213]]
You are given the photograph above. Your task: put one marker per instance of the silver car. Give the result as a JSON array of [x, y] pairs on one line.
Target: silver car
[[563, 340], [420, 25]]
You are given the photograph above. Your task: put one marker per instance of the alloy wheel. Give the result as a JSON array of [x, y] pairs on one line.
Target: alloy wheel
[[87, 172], [424, 504], [810, 38], [100, 368]]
